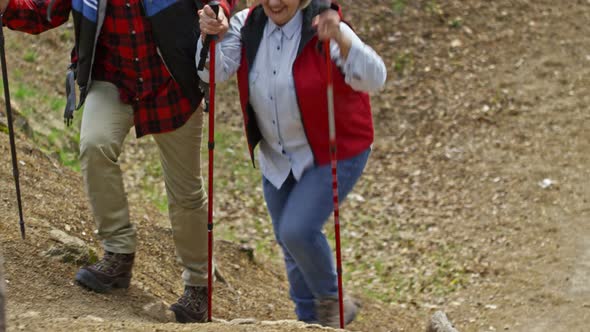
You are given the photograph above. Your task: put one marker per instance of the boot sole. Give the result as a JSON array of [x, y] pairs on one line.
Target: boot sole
[[87, 280], [184, 316]]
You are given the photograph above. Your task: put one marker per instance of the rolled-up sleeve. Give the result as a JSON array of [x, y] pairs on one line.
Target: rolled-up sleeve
[[228, 52], [363, 69], [31, 16]]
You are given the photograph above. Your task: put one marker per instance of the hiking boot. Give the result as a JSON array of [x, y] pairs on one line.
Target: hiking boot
[[328, 312], [192, 306], [112, 271]]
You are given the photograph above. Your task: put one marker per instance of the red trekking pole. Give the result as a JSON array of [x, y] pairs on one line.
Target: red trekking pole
[[209, 44], [334, 163], [11, 130], [326, 4]]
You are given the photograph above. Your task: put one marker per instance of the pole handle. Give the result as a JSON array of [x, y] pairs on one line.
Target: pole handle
[[208, 38]]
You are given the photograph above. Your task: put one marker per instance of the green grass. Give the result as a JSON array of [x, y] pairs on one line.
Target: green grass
[[403, 63], [57, 104], [23, 92], [456, 23], [399, 6], [70, 159], [30, 56], [60, 142], [433, 7]]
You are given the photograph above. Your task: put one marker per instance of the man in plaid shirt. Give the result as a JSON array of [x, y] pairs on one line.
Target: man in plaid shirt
[[133, 61]]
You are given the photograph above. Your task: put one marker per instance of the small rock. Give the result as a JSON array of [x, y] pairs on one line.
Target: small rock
[[70, 249], [158, 310], [356, 197], [546, 183], [64, 238], [456, 43], [440, 323]]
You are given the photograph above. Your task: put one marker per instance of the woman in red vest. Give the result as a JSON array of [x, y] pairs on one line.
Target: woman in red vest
[[273, 46]]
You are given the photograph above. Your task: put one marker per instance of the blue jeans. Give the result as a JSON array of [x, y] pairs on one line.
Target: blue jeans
[[299, 210]]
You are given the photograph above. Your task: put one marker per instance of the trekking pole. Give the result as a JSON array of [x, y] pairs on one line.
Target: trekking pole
[[326, 4], [11, 129], [209, 44]]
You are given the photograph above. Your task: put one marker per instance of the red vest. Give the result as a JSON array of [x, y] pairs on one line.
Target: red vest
[[354, 123]]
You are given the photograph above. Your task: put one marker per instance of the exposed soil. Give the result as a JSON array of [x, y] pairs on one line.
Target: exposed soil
[[475, 200]]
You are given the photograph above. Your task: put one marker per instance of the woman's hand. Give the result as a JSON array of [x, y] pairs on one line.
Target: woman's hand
[[327, 25], [211, 25]]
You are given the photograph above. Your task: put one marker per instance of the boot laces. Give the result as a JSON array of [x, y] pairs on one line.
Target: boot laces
[[194, 298], [109, 263]]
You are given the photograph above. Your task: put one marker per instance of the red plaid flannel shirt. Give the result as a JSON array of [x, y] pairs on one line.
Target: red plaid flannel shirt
[[126, 56]]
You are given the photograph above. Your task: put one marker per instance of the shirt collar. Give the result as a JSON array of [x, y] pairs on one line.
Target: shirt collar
[[289, 29]]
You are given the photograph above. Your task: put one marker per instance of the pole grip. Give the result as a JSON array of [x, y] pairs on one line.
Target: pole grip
[[208, 38]]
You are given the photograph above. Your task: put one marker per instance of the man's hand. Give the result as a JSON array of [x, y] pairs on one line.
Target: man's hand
[[211, 25]]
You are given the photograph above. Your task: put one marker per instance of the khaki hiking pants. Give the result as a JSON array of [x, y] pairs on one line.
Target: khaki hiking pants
[[105, 124]]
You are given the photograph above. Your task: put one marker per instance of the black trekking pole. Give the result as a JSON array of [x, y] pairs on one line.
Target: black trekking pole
[[209, 47], [11, 129]]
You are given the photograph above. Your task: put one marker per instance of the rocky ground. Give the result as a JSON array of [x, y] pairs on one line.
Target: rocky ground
[[475, 200]]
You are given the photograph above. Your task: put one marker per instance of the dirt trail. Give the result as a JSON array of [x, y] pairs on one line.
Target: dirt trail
[[553, 77]]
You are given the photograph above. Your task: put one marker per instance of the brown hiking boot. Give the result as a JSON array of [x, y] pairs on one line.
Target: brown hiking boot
[[192, 306], [112, 271], [328, 311]]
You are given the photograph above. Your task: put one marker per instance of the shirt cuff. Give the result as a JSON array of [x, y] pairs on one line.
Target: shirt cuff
[[356, 50]]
